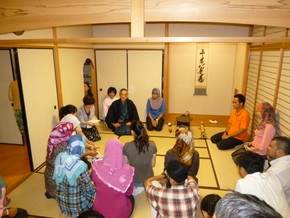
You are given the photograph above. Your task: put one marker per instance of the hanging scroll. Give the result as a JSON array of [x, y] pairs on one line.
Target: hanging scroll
[[201, 69]]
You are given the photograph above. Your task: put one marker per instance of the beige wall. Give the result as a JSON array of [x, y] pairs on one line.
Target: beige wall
[[202, 30], [71, 68], [75, 32], [174, 30], [32, 34], [221, 72], [240, 64]]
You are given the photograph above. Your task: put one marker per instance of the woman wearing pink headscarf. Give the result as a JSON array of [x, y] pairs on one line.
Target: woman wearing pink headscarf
[[265, 131], [114, 183]]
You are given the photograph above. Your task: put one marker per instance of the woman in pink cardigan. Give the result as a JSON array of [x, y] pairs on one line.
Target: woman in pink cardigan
[[265, 131]]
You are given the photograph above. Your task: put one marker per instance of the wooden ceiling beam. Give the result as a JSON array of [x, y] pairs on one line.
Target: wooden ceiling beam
[[18, 15], [127, 40]]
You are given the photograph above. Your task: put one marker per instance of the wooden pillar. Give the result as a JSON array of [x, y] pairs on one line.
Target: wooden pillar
[[137, 18]]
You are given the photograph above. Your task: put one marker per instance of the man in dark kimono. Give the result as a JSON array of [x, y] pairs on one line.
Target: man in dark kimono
[[121, 114]]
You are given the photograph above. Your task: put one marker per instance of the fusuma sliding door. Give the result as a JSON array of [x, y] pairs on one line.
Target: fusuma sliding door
[[137, 70], [40, 98], [111, 66]]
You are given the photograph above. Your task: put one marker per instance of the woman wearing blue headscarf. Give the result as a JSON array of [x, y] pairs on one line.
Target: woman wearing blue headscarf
[[75, 190]]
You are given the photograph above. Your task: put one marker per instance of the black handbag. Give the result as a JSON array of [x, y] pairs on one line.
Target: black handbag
[[92, 134], [237, 153]]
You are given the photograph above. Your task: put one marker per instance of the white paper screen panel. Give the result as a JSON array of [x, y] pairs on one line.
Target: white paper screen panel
[[254, 60], [275, 32], [258, 31], [268, 76], [283, 98]]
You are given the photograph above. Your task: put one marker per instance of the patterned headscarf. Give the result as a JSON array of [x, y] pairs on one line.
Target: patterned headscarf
[[184, 134], [268, 114], [68, 164], [60, 133], [2, 190], [157, 103], [112, 170], [184, 146]]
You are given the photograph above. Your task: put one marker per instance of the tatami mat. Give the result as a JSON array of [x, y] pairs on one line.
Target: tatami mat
[[203, 152], [217, 173], [159, 166], [206, 175], [30, 195], [164, 133], [224, 166]]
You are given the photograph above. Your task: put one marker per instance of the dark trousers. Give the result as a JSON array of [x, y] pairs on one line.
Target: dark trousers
[[224, 144], [21, 213], [150, 127], [124, 129]]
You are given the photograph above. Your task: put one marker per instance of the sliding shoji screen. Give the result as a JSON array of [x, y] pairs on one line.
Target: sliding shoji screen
[[267, 79], [262, 81], [258, 31], [252, 81], [283, 97], [268, 76]]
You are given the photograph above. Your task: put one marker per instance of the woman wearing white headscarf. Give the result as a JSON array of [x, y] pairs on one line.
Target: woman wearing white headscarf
[[184, 151], [75, 190], [155, 110]]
